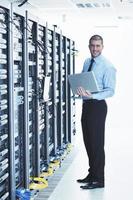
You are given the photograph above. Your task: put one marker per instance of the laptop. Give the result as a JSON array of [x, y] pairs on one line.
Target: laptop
[[86, 80]]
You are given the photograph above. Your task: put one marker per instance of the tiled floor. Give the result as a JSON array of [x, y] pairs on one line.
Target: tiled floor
[[119, 170]]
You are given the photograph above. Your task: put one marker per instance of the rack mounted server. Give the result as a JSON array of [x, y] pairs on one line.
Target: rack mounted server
[[33, 130]]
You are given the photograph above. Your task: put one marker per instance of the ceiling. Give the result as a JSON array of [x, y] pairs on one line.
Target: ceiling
[[83, 4], [123, 9], [80, 4]]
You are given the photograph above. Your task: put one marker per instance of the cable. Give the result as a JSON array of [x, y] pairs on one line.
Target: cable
[[12, 21], [23, 2], [23, 194], [38, 183], [35, 42]]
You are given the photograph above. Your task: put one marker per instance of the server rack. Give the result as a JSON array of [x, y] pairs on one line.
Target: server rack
[[17, 101], [52, 105], [36, 54], [64, 92], [17, 23], [4, 107], [42, 52], [60, 93], [56, 80], [33, 130], [71, 101], [49, 144]]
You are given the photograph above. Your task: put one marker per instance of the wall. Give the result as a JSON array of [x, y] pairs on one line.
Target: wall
[[117, 34]]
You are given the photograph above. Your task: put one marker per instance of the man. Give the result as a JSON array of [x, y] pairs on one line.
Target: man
[[94, 112]]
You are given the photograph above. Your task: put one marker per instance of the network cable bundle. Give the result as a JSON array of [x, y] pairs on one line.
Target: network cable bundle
[[37, 108]]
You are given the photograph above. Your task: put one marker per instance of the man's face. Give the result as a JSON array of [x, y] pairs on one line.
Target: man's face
[[95, 47]]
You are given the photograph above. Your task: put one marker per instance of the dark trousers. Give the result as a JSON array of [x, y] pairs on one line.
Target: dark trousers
[[93, 127]]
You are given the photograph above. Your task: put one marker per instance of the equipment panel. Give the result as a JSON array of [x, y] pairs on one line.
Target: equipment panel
[[4, 130], [37, 115]]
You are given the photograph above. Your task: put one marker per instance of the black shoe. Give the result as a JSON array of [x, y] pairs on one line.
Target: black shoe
[[85, 180], [93, 185]]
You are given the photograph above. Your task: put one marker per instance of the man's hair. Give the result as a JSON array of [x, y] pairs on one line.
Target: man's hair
[[96, 37]]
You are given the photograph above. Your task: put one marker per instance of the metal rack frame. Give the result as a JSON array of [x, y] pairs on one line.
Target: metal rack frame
[[38, 130]]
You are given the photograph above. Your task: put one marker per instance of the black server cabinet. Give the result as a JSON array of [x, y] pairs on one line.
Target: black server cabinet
[[67, 101], [64, 92], [57, 83], [49, 105], [18, 86], [60, 95], [32, 95], [32, 59], [33, 130], [71, 101], [4, 107], [42, 52]]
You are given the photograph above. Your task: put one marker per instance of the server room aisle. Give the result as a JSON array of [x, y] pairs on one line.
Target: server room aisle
[[119, 165]]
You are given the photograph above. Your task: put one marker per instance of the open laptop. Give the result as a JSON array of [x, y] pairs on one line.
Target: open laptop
[[86, 80]]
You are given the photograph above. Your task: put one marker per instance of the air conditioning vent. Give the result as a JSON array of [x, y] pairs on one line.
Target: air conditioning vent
[[92, 3]]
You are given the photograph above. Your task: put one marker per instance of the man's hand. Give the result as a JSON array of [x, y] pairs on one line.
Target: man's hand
[[83, 93]]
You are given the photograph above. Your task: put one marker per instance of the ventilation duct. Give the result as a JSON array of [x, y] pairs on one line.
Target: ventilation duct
[[92, 3]]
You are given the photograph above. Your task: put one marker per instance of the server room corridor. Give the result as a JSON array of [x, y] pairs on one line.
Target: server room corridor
[[41, 44]]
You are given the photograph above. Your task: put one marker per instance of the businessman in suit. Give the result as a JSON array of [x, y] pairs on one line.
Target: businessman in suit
[[94, 112]]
